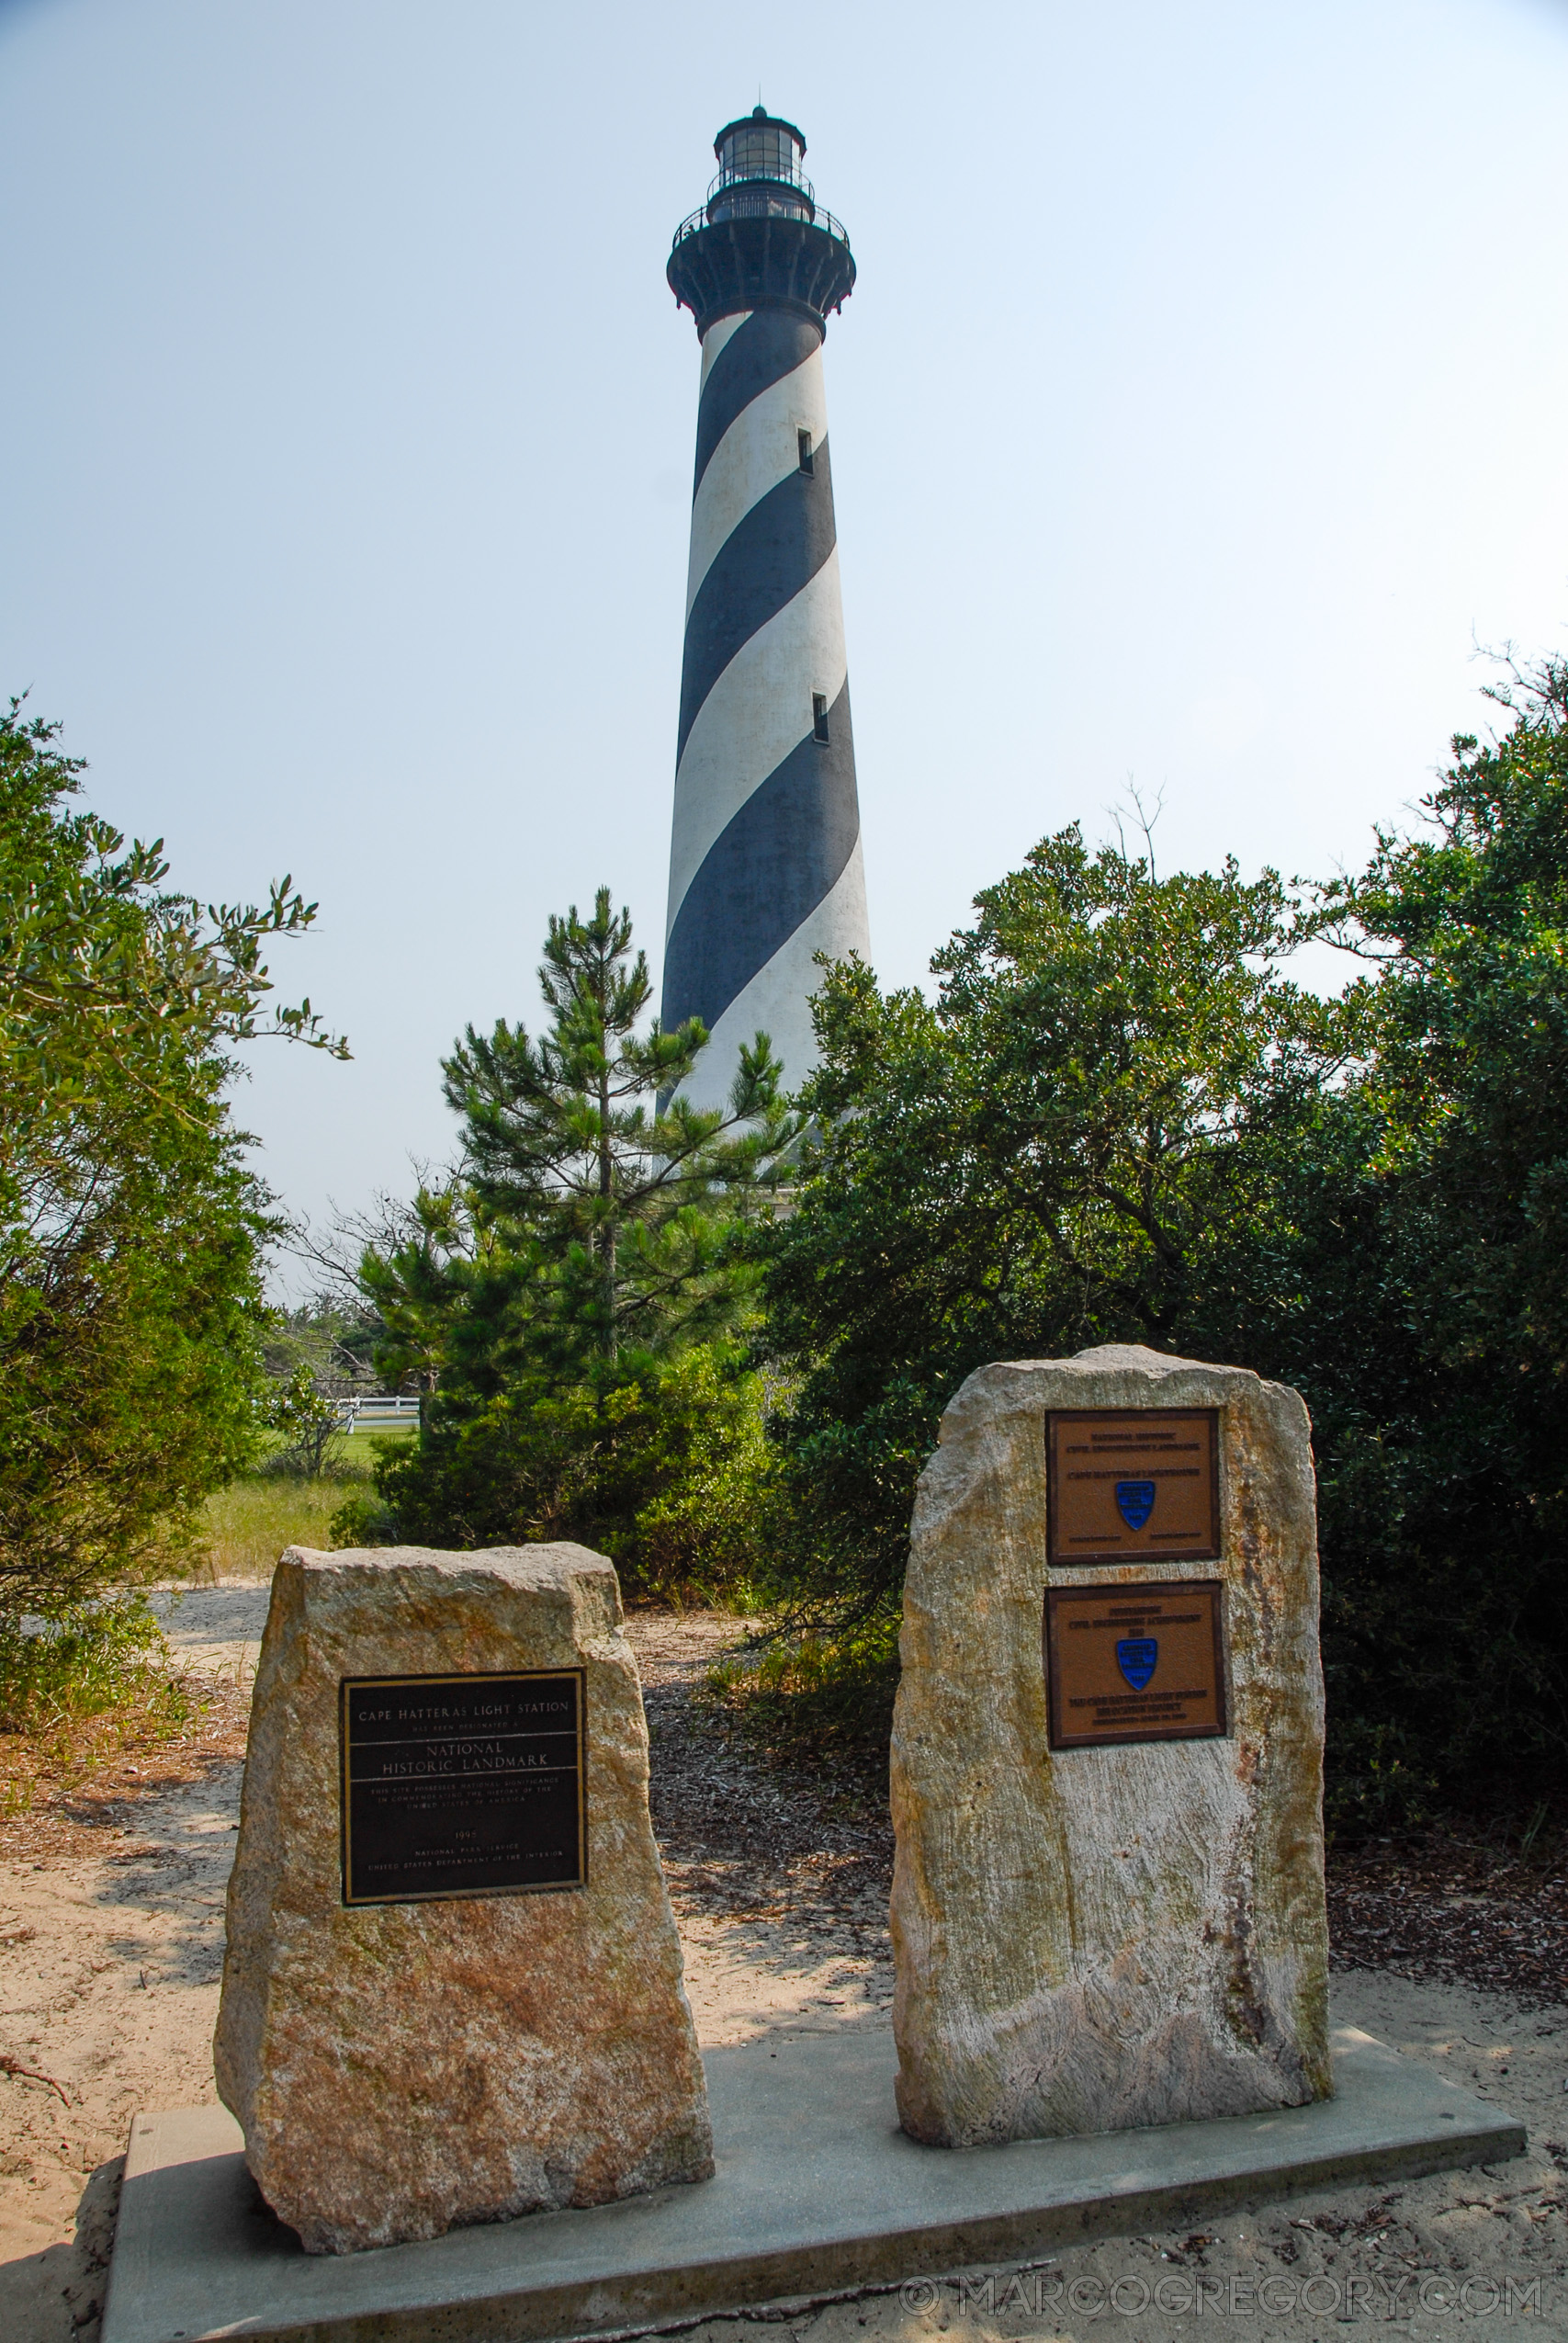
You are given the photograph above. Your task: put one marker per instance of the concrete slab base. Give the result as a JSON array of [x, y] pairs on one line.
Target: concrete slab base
[[816, 2190]]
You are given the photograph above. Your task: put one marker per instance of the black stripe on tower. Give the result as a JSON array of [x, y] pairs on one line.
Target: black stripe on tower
[[769, 555], [769, 346], [778, 856]]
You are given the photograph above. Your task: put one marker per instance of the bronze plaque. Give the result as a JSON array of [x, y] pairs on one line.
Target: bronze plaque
[[1133, 1484], [462, 1785], [1135, 1663]]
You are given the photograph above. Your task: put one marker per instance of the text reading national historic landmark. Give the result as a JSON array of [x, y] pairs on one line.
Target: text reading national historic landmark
[[461, 1785]]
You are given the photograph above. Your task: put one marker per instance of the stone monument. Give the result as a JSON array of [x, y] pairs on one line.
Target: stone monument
[[1108, 1899], [452, 1987]]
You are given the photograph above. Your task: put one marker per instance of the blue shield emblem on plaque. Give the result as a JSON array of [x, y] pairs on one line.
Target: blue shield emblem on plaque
[[1135, 1502], [1137, 1657]]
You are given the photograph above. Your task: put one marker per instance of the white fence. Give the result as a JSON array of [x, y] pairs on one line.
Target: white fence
[[379, 1407]]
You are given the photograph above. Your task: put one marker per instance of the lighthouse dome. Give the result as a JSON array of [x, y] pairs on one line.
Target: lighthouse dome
[[762, 240]]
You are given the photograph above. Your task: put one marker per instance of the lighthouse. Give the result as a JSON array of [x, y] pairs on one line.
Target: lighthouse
[[765, 868]]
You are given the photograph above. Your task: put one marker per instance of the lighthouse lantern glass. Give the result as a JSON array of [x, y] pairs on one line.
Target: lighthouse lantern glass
[[759, 151]]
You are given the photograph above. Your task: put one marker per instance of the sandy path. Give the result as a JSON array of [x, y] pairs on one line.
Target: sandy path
[[108, 1984]]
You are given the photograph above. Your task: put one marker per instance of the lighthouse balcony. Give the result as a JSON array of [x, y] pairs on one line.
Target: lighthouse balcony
[[757, 201], [765, 258], [760, 240]]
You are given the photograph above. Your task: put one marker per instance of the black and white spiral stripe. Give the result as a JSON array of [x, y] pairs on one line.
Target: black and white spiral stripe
[[766, 859]]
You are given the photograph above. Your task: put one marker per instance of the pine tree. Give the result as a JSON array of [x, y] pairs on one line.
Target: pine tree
[[575, 1296], [583, 1139]]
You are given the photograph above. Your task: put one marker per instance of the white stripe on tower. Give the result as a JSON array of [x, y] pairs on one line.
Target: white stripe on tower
[[765, 865], [760, 448]]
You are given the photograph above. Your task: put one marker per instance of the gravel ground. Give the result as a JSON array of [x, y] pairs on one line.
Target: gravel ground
[[111, 1944]]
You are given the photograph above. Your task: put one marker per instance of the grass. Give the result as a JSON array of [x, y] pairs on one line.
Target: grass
[[250, 1522]]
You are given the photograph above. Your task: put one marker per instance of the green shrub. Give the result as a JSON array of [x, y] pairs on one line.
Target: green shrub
[[662, 1463], [94, 1657], [363, 1518], [816, 1698], [131, 1224]]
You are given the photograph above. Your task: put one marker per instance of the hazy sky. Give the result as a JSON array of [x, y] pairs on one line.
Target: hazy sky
[[1201, 403]]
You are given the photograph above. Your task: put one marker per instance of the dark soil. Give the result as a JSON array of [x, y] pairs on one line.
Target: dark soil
[[1455, 1906]]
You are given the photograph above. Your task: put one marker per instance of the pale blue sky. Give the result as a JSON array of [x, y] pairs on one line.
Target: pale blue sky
[[1203, 400]]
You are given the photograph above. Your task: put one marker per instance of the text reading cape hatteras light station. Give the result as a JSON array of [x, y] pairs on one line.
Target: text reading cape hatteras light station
[[765, 858]]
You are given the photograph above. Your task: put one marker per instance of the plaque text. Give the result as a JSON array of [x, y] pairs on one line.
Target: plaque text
[[1133, 1484], [461, 1785], [1135, 1663]]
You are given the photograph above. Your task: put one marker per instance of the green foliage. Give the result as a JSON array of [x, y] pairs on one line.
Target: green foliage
[[414, 1276], [308, 1423], [1061, 1151], [319, 1356], [130, 1310], [569, 1301], [1120, 1121], [585, 1215], [363, 1518], [818, 1698], [616, 1194], [658, 1463], [1439, 1369]]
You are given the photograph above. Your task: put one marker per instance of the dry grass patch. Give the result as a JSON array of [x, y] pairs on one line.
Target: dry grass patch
[[68, 1785], [249, 1524]]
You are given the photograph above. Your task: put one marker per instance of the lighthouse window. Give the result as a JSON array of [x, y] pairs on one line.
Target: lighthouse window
[[819, 716], [807, 459]]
